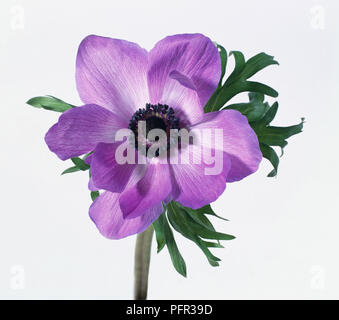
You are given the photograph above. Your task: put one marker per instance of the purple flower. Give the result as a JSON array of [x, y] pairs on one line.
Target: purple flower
[[121, 83]]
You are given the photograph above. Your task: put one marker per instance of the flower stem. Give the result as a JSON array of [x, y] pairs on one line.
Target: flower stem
[[141, 263]]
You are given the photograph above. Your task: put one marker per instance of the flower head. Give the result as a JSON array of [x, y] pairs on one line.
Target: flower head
[[123, 86]]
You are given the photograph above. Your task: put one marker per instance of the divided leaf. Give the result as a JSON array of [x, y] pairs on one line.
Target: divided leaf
[[260, 114], [238, 82], [209, 211], [181, 225], [163, 231], [195, 226]]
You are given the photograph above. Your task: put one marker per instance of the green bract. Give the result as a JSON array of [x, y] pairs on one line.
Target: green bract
[[50, 103], [238, 82], [80, 165], [193, 225], [258, 112]]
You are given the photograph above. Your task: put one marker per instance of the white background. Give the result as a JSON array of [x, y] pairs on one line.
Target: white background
[[286, 228]]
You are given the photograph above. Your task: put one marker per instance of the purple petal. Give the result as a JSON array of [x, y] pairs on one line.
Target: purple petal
[[153, 188], [107, 173], [197, 188], [184, 72], [183, 80], [91, 185], [239, 141], [136, 174], [80, 129], [112, 73], [89, 159], [107, 215]]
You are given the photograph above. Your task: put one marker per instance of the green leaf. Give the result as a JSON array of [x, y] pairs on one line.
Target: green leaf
[[239, 66], [223, 58], [87, 155], [285, 132], [177, 259], [80, 163], [159, 234], [238, 82], [256, 97], [206, 233], [194, 225], [200, 218], [256, 87], [257, 63], [209, 211], [272, 135], [182, 223], [271, 156], [197, 222], [94, 195], [70, 170], [213, 244], [269, 136], [258, 112], [268, 117], [211, 102], [253, 110], [272, 140], [50, 103]]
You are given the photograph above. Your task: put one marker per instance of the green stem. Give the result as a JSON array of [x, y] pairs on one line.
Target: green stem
[[141, 263]]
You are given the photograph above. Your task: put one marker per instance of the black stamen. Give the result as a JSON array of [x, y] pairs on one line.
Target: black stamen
[[159, 116]]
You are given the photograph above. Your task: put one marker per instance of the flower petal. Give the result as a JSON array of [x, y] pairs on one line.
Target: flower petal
[[240, 141], [80, 129], [91, 185], [107, 173], [198, 186], [153, 188], [89, 159], [108, 217], [181, 65], [113, 74]]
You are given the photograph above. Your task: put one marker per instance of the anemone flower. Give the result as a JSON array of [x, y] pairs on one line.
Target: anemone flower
[[121, 83]]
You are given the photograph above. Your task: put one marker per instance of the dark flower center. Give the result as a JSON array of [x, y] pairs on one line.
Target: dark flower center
[[158, 116], [155, 122]]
